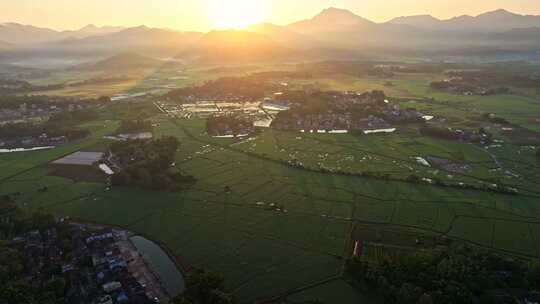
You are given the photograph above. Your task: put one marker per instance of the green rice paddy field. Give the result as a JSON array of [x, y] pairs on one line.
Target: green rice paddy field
[[301, 249]]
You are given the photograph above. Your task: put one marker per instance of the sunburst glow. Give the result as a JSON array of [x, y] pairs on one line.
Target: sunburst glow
[[235, 14]]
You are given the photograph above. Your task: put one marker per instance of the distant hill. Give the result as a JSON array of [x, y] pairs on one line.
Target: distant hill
[[331, 20], [494, 21], [122, 62], [16, 33], [136, 37], [332, 33], [420, 21], [339, 29], [284, 35], [91, 30], [235, 45], [26, 34]]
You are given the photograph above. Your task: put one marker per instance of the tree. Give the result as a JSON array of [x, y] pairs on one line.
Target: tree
[[57, 286], [204, 287], [425, 299], [219, 297], [10, 263], [149, 164]]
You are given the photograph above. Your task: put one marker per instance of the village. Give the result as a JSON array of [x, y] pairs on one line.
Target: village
[[20, 109], [342, 112], [97, 265], [308, 111], [42, 122]]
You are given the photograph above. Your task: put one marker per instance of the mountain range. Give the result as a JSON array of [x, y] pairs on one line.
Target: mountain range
[[494, 21], [16, 33], [331, 30], [128, 38]]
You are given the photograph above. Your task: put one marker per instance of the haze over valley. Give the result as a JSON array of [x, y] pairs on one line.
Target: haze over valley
[[333, 33]]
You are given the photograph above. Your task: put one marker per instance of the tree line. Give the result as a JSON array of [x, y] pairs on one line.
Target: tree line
[[463, 274]]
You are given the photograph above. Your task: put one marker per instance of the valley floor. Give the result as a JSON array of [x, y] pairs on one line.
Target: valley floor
[[227, 222]]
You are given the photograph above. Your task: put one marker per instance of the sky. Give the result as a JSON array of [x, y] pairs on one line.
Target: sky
[[203, 15]]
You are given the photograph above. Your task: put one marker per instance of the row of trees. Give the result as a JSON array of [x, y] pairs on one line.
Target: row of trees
[[463, 274], [134, 126], [149, 165]]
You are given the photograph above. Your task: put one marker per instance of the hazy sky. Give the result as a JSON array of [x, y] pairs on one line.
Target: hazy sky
[[205, 14]]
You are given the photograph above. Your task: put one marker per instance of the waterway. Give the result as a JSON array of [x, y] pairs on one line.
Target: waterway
[[158, 260]]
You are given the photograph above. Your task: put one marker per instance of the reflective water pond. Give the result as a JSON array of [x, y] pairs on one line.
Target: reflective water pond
[[161, 264]]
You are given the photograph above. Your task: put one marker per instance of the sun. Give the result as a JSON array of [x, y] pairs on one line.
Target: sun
[[235, 14]]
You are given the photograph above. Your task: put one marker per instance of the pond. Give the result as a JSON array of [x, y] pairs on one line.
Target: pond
[[161, 264]]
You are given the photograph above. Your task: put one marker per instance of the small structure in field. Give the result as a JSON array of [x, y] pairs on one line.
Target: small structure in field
[[80, 166], [80, 158]]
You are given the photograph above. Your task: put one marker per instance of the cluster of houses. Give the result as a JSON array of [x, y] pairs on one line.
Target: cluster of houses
[[350, 111], [25, 113], [47, 106], [229, 126], [95, 265], [328, 122], [23, 116], [395, 114], [33, 141]]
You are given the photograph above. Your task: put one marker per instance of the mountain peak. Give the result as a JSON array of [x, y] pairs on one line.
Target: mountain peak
[[498, 13], [333, 13], [136, 29], [416, 19], [336, 11], [89, 27], [331, 18]]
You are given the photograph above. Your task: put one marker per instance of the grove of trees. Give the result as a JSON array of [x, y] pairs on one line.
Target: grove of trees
[[13, 288], [134, 126], [204, 287], [463, 274], [149, 165]]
